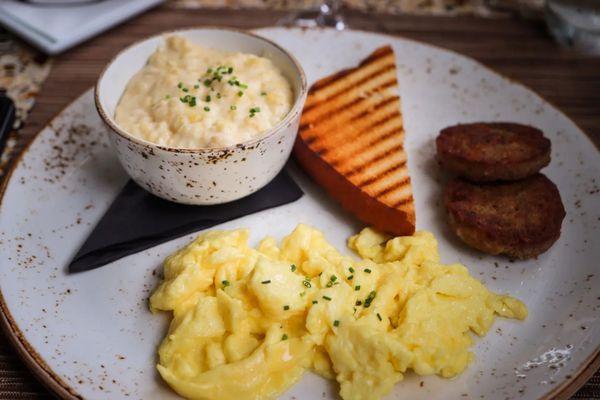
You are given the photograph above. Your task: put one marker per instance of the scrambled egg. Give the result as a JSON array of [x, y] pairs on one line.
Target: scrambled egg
[[247, 323]]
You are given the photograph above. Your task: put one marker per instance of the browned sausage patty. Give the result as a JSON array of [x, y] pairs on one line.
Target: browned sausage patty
[[520, 219], [484, 152]]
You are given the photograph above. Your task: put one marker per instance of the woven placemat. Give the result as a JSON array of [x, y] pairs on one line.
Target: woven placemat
[[591, 390], [16, 382]]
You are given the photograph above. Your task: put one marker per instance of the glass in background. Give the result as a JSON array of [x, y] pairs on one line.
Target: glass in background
[[327, 15], [575, 23]]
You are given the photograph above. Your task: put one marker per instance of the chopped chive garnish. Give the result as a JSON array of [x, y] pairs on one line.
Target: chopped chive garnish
[[235, 82], [284, 337], [225, 283], [180, 85], [215, 74], [196, 86], [286, 307], [207, 98], [266, 282], [240, 93], [207, 108], [370, 298], [367, 270], [379, 316], [332, 281], [327, 298], [302, 294], [293, 267], [336, 323], [350, 277], [185, 90], [314, 301], [357, 288], [351, 269], [192, 101], [218, 95], [358, 302], [306, 282], [263, 93], [233, 108]]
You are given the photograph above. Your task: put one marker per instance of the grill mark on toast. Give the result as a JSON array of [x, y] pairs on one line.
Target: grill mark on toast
[[392, 187], [372, 109], [376, 56], [387, 85], [308, 125], [354, 102], [382, 174], [402, 201], [357, 134], [323, 103], [320, 85], [329, 125], [311, 140], [344, 91], [345, 107], [377, 156], [373, 125], [367, 78]]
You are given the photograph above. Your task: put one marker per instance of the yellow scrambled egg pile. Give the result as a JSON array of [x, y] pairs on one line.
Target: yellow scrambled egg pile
[[247, 323]]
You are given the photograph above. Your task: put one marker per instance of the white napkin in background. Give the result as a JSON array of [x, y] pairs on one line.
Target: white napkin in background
[[54, 28]]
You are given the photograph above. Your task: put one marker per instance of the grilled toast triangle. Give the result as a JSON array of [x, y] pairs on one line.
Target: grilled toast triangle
[[351, 142]]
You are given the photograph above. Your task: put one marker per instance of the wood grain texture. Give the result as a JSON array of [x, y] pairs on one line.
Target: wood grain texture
[[518, 49]]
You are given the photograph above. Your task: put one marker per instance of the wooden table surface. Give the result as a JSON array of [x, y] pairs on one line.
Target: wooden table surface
[[519, 49]]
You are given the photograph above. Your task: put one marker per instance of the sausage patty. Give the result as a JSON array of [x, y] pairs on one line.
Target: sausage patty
[[484, 152], [520, 219]]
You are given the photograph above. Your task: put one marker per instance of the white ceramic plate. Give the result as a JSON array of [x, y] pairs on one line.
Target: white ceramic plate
[[91, 335]]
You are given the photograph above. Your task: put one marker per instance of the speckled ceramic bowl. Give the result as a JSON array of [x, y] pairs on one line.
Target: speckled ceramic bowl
[[209, 175]]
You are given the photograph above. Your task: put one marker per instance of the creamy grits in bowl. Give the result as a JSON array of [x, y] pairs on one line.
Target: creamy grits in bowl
[[192, 96], [202, 116]]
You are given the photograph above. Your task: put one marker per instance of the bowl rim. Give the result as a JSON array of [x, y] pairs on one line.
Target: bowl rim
[[296, 108]]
